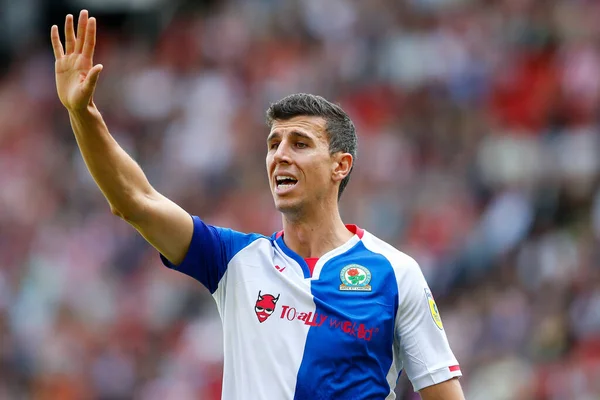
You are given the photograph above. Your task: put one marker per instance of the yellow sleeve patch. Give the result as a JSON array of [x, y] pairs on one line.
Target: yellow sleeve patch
[[433, 309]]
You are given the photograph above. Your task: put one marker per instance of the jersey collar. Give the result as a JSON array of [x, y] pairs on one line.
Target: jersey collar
[[358, 235], [351, 227]]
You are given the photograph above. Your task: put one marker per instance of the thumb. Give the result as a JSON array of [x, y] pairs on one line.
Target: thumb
[[92, 77]]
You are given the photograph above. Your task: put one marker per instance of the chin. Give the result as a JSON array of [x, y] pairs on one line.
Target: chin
[[288, 206]]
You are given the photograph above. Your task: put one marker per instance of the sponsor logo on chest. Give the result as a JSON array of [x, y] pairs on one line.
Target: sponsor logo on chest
[[266, 304], [318, 320]]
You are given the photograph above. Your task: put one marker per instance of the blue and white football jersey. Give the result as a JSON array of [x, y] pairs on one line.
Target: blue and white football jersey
[[344, 332]]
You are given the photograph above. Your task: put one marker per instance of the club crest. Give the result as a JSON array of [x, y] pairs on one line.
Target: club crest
[[355, 277]]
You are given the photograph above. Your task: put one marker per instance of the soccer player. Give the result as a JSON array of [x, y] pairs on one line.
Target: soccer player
[[320, 310]]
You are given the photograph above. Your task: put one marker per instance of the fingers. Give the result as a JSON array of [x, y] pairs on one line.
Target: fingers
[[77, 44], [81, 30], [57, 46], [90, 39], [69, 35]]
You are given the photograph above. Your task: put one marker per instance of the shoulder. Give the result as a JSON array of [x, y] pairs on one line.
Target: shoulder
[[405, 267], [398, 259], [227, 239], [413, 290], [200, 226]]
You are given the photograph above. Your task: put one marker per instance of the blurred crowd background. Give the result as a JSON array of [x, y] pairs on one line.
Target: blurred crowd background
[[478, 127]]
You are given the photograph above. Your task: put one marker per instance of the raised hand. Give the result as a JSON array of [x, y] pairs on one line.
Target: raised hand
[[76, 74]]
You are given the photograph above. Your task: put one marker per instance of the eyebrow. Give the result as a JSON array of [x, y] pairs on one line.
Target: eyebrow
[[296, 134]]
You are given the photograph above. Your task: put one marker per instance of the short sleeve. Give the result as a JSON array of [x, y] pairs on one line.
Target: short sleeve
[[423, 346], [210, 251]]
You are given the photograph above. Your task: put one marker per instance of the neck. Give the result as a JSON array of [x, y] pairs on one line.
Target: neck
[[315, 235]]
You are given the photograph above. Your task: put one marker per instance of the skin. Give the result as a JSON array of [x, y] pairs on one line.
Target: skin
[[311, 221], [448, 390], [298, 147], [164, 224]]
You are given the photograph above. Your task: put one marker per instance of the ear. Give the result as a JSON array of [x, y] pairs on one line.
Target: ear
[[342, 165]]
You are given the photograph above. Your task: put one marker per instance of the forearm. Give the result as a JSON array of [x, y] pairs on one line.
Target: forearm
[[118, 176], [448, 390]]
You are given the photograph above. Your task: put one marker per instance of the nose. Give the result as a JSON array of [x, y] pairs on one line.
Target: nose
[[282, 154]]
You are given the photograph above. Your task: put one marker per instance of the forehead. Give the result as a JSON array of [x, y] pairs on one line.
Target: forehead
[[310, 125]]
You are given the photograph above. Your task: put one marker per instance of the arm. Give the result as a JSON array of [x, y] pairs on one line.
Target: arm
[[161, 222], [423, 346], [448, 390]]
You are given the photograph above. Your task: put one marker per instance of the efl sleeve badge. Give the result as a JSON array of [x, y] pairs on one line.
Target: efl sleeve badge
[[435, 313]]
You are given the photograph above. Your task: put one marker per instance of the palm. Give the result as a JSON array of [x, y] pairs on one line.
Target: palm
[[76, 74]]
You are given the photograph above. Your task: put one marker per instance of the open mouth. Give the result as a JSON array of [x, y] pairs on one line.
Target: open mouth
[[285, 182]]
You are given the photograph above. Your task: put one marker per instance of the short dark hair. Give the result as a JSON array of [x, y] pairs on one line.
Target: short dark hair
[[339, 127]]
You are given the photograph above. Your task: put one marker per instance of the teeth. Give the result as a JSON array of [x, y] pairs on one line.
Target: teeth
[[286, 186], [284, 177]]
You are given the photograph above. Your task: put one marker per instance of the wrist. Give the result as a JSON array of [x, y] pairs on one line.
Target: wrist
[[85, 112]]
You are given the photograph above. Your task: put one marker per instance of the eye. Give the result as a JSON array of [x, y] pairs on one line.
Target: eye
[[259, 309], [269, 310], [301, 145], [273, 146]]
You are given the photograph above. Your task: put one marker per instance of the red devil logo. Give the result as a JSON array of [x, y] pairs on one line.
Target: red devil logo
[[265, 305]]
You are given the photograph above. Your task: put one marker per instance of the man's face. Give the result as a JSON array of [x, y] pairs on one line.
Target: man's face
[[299, 165]]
